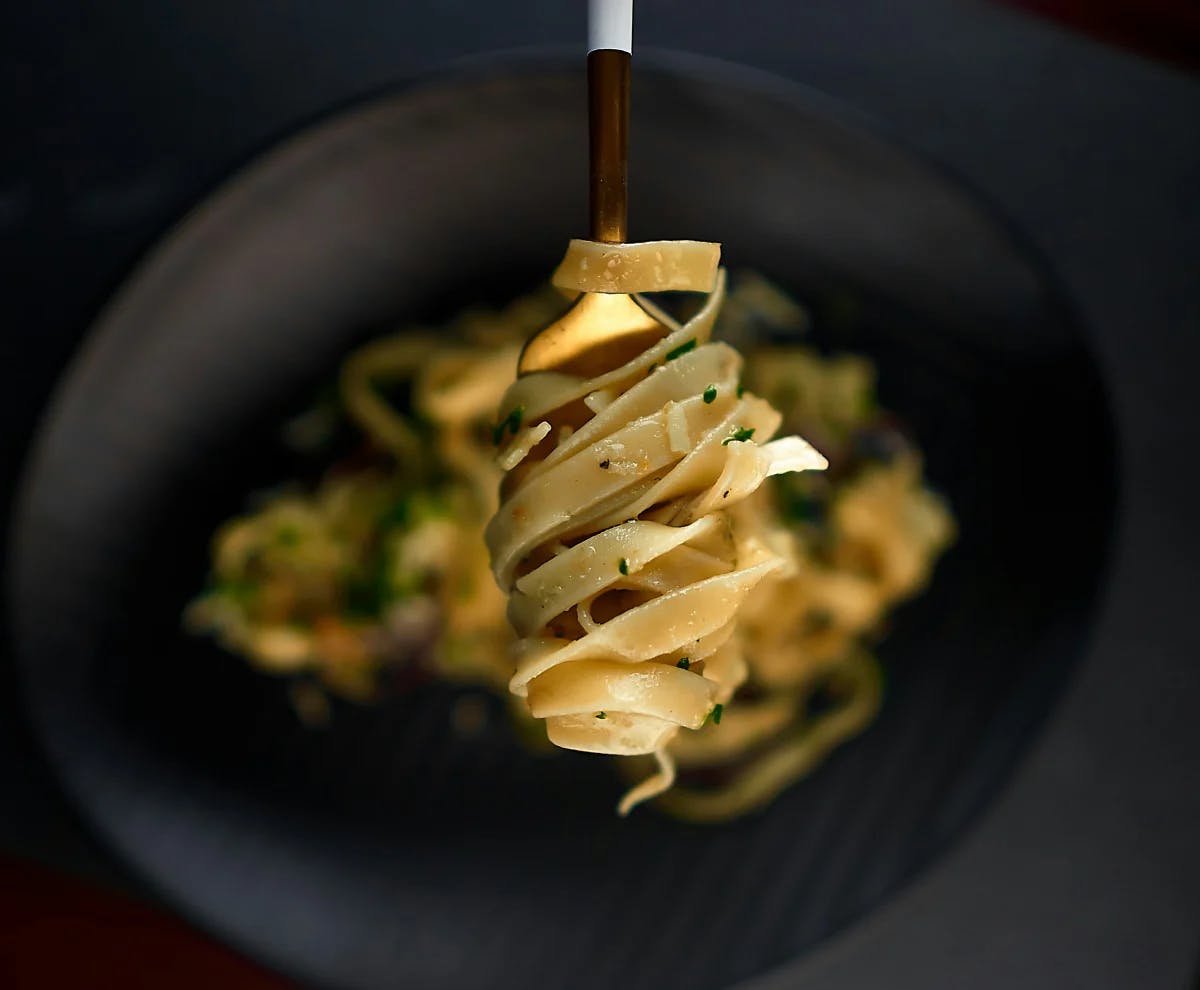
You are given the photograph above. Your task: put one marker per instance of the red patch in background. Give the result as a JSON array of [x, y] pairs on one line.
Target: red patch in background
[[1166, 29], [56, 931]]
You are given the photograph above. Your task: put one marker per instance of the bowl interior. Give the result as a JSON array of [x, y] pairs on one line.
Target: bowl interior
[[385, 851]]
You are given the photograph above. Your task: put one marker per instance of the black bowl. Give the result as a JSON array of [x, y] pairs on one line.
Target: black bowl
[[385, 852]]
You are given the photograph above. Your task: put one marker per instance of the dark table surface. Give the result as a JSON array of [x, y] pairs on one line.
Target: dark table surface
[[126, 114]]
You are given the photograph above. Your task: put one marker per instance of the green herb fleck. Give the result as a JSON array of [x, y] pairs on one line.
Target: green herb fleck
[[239, 591], [741, 390], [414, 507], [466, 589], [601, 715], [739, 435], [682, 349], [510, 424], [710, 394], [716, 714], [797, 505], [288, 535], [623, 566], [684, 663], [366, 593]]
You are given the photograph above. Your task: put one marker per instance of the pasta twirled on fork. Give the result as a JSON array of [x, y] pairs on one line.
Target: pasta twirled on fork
[[615, 539]]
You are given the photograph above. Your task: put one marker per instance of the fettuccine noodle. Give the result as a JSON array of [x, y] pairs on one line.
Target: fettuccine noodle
[[616, 542]]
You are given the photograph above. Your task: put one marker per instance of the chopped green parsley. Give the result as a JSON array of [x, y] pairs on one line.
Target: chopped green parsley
[[684, 663], [509, 424], [739, 435], [288, 535], [710, 394], [682, 349], [623, 566]]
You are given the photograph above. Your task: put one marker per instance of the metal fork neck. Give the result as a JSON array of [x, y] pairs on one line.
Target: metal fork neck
[[608, 129]]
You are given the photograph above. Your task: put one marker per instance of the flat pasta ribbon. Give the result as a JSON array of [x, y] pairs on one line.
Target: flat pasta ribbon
[[624, 567]]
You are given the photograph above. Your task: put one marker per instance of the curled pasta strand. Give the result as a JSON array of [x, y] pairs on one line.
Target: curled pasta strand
[[785, 755], [616, 542]]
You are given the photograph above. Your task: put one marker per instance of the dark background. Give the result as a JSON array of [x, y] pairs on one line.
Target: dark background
[[121, 115]]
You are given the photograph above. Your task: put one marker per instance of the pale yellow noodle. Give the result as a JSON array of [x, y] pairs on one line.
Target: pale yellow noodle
[[624, 564]]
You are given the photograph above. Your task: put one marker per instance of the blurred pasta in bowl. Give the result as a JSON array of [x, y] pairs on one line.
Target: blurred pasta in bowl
[[377, 576]]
